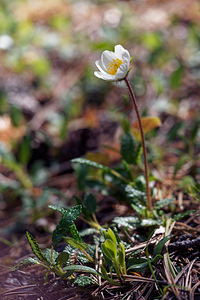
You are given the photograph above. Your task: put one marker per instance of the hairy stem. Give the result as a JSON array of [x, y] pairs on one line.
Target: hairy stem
[[149, 202]]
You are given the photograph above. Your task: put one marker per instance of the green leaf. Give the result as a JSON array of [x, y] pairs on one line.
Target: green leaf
[[51, 256], [137, 264], [150, 222], [72, 212], [90, 203], [62, 258], [25, 149], [134, 194], [25, 263], [159, 247], [35, 247], [84, 281], [76, 244], [90, 163], [80, 268], [121, 254], [74, 232], [128, 148], [111, 249], [109, 234], [66, 223], [183, 214], [176, 77], [128, 222], [163, 203]]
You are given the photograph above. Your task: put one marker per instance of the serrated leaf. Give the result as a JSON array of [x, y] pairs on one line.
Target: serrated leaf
[[25, 263], [148, 124], [76, 244], [128, 148], [182, 215], [62, 258], [66, 224], [134, 194], [80, 268], [35, 247], [90, 203], [128, 222], [90, 163], [74, 232], [51, 255], [150, 222], [163, 203], [159, 247], [84, 281], [71, 213]]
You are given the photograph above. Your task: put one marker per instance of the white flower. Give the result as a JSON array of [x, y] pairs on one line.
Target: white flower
[[113, 66]]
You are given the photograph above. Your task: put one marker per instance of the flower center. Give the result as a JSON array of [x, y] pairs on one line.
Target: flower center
[[114, 65]]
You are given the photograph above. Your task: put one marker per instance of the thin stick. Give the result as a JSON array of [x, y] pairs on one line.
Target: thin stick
[[149, 202]]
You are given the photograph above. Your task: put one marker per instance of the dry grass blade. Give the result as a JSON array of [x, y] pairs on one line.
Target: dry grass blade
[[189, 277], [192, 291]]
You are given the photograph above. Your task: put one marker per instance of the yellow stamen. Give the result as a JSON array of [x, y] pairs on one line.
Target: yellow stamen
[[114, 65]]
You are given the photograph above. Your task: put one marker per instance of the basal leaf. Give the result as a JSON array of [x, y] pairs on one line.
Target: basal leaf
[[128, 148], [62, 258], [159, 247], [80, 268], [90, 163], [128, 222], [35, 247], [90, 203], [84, 281], [163, 203], [25, 263]]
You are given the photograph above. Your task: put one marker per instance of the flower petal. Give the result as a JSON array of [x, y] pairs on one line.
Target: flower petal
[[100, 66], [104, 76], [119, 51], [107, 57], [122, 71]]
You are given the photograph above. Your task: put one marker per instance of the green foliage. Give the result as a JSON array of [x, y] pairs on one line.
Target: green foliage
[[128, 148], [83, 281], [66, 223], [35, 247], [25, 263], [114, 252]]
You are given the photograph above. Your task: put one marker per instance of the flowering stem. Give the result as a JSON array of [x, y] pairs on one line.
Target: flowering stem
[[149, 202]]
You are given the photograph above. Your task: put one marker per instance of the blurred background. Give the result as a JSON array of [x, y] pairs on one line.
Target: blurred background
[[53, 108]]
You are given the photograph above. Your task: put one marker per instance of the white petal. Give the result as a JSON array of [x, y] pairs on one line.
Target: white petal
[[107, 57], [126, 55], [122, 71], [104, 76], [100, 66], [119, 51]]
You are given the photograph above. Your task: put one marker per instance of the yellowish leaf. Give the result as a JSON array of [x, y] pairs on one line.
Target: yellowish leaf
[[148, 124]]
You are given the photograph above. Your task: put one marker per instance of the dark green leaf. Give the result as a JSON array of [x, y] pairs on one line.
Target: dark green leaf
[[176, 77], [25, 263], [164, 202], [128, 148], [90, 203], [62, 258], [35, 247], [84, 281], [80, 268], [128, 222], [159, 247]]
